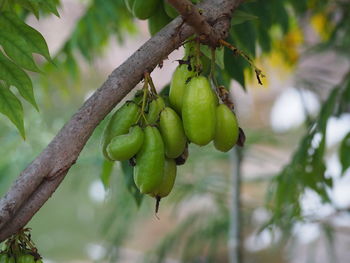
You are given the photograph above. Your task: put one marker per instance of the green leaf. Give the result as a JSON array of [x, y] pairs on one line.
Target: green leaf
[[30, 6], [234, 66], [219, 55], [9, 22], [264, 39], [344, 102], [280, 15], [34, 6], [244, 37], [128, 171], [15, 76], [12, 108], [16, 48], [240, 17], [344, 153], [49, 6], [107, 169]]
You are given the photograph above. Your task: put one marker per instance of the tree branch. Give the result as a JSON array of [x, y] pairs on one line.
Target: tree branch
[[41, 178], [191, 15]]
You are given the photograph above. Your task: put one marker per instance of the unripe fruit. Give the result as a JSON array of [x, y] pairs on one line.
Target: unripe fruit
[[25, 259], [149, 169], [198, 111], [168, 181], [144, 9], [178, 86], [227, 130], [119, 124], [124, 147], [158, 20], [173, 133], [3, 258], [155, 107]]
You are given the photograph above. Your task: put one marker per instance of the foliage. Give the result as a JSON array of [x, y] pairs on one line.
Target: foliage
[[307, 167], [19, 41]]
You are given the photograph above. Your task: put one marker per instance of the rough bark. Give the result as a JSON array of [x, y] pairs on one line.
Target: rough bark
[[41, 178], [192, 16]]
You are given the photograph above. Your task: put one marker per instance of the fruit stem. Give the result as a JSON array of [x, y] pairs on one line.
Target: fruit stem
[[189, 47], [158, 198], [198, 67], [150, 82], [212, 67], [144, 98]]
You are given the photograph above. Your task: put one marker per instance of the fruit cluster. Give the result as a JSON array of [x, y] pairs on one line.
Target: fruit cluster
[[158, 12], [153, 132], [20, 249]]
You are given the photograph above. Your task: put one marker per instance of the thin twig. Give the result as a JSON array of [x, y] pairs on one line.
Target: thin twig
[[235, 50]]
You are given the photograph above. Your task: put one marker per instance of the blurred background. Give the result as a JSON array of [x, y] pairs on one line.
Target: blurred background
[[261, 203]]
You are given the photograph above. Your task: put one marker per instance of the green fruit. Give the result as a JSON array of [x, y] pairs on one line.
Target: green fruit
[[129, 4], [227, 129], [170, 11], [173, 133], [149, 169], [125, 146], [3, 258], [159, 20], [25, 259], [155, 107], [178, 86], [119, 124], [168, 181], [198, 111], [144, 9]]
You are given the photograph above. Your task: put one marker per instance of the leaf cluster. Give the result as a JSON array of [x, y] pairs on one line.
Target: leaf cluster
[[19, 42]]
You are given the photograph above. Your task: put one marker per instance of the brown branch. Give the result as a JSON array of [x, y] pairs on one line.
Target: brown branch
[[196, 18], [191, 15], [41, 178]]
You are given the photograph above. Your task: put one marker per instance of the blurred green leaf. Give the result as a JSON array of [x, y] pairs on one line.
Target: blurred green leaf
[[31, 6], [240, 17], [128, 171], [244, 37], [107, 169], [280, 15], [305, 171], [49, 6], [35, 6], [14, 75], [344, 153], [104, 18], [12, 108], [234, 66], [219, 55]]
